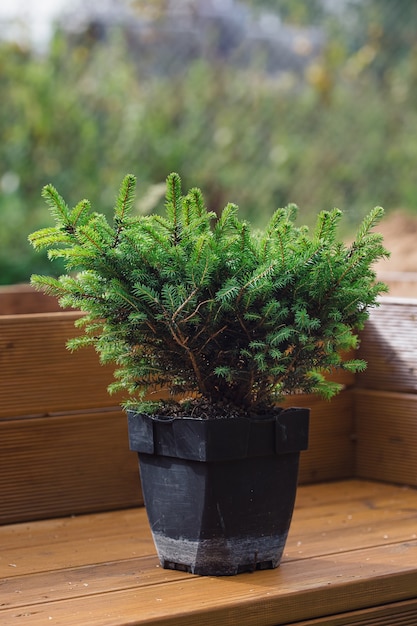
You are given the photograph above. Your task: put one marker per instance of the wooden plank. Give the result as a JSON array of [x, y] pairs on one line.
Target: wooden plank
[[346, 515], [331, 452], [66, 464], [397, 614], [386, 436], [74, 542], [38, 375], [389, 345], [264, 599], [81, 582], [296, 591], [17, 299], [89, 587]]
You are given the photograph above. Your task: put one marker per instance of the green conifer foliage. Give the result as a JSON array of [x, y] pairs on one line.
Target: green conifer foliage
[[194, 304]]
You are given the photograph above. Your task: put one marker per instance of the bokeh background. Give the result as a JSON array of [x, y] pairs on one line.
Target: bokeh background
[[258, 102]]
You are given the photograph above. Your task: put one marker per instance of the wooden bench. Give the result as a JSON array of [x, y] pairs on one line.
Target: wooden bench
[[75, 545]]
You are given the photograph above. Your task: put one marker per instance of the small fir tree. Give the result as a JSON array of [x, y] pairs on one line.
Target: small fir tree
[[195, 304]]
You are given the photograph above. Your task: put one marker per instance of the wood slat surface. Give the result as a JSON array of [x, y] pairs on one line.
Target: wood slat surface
[[331, 450], [352, 547], [397, 614], [23, 298], [389, 345], [386, 436], [66, 464], [38, 375]]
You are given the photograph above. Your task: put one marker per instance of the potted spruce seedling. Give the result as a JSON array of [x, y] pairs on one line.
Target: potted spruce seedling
[[210, 324]]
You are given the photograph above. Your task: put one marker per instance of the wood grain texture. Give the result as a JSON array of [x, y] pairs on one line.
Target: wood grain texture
[[397, 614], [331, 450], [23, 298], [66, 464], [386, 436], [39, 376], [352, 548], [389, 345]]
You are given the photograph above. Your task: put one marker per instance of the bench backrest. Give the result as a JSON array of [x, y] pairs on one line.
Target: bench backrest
[[386, 395], [63, 439]]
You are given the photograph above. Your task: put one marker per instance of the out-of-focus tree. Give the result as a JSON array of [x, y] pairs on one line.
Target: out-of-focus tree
[[386, 26], [297, 12], [94, 108]]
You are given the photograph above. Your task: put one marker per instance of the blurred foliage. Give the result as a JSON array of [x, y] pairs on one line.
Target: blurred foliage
[[85, 114], [297, 12]]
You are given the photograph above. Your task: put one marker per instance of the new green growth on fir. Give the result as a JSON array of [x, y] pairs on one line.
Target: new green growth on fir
[[195, 304]]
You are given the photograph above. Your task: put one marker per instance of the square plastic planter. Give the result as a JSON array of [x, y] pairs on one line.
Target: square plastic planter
[[219, 493]]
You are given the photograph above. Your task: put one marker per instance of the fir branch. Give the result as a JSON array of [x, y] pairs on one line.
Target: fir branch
[[80, 214], [182, 302], [57, 205], [327, 222], [174, 205], [197, 203], [125, 198], [89, 235], [46, 237], [124, 203]]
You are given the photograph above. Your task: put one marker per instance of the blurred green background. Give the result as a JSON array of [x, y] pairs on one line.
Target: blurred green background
[[257, 102]]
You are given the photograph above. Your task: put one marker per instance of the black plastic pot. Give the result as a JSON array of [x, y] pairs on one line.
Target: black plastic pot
[[219, 493]]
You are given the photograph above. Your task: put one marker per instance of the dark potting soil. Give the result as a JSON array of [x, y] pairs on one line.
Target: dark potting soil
[[201, 408]]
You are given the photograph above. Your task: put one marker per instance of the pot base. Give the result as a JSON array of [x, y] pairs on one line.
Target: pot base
[[220, 557]]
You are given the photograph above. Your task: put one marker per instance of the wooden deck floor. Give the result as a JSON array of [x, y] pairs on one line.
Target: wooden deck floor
[[351, 554]]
